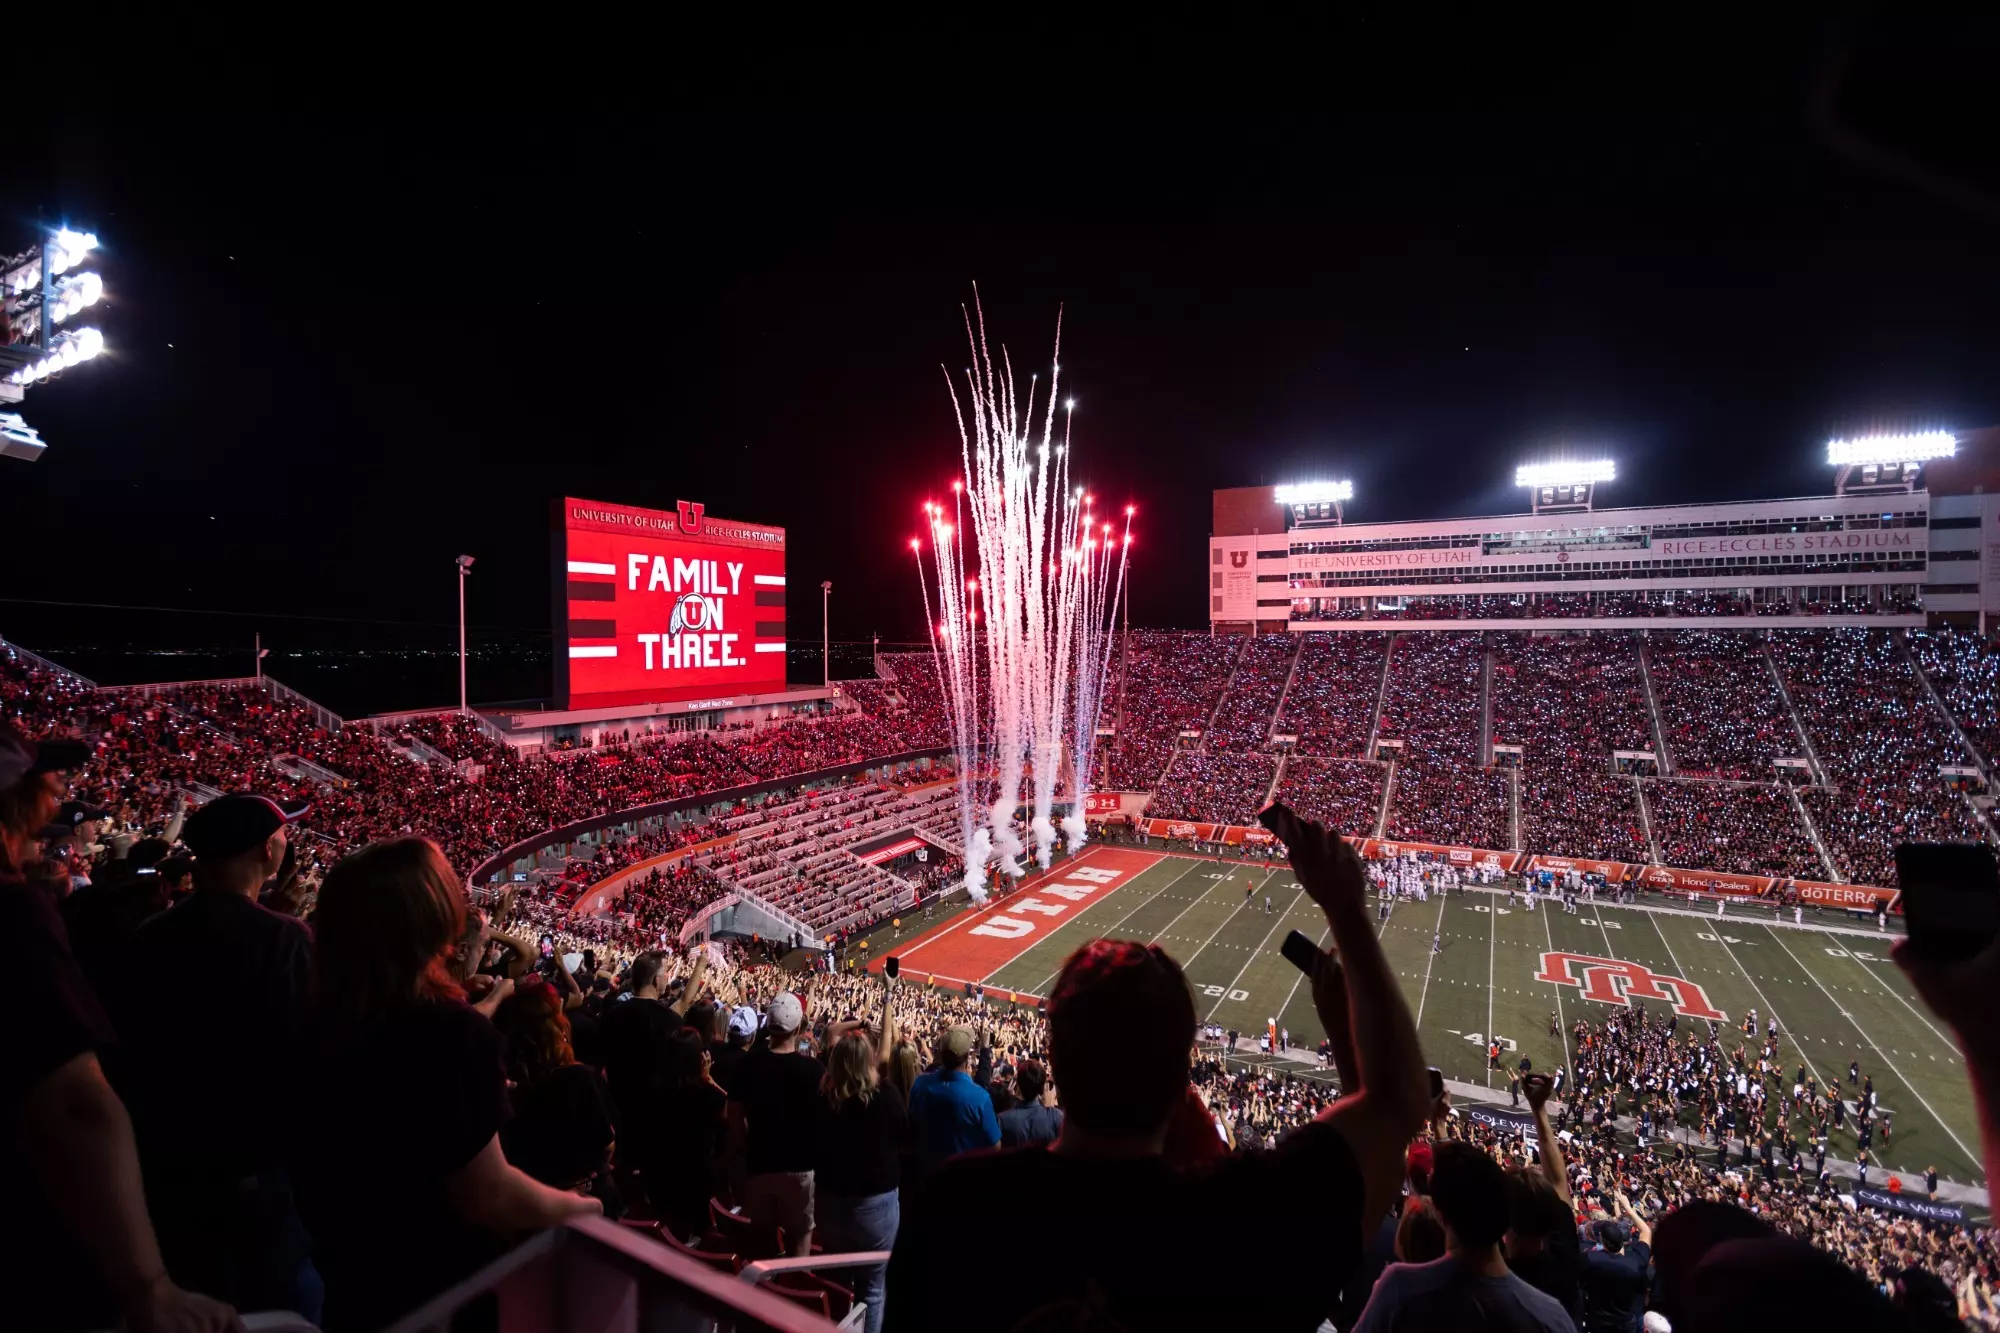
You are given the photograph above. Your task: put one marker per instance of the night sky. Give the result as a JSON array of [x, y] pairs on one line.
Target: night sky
[[341, 356]]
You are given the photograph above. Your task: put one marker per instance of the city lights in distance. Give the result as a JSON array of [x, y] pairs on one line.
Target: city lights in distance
[[1315, 493], [1565, 474], [1917, 448]]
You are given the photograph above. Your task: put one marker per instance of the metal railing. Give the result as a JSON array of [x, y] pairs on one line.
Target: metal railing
[[593, 1275], [43, 663]]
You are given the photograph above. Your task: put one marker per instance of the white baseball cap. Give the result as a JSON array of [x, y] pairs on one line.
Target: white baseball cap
[[785, 1013], [743, 1021]]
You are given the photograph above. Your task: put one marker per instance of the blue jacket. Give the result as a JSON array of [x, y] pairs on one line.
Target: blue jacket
[[950, 1114]]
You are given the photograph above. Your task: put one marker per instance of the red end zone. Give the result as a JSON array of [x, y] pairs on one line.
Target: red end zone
[[978, 943]]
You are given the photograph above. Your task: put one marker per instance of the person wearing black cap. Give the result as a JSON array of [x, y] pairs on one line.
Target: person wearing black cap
[[212, 1008], [76, 1245], [1614, 1277]]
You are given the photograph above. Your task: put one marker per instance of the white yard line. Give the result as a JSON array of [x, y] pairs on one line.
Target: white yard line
[[1562, 1020], [1254, 955], [1783, 1027], [1429, 962], [1944, 1037], [1043, 989], [1970, 1155], [1670, 948], [1188, 961], [1492, 942]]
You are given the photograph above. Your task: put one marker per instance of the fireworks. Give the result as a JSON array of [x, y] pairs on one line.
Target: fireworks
[[1021, 639]]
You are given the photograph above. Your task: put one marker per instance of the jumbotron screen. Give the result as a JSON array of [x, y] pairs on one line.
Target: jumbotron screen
[[653, 606]]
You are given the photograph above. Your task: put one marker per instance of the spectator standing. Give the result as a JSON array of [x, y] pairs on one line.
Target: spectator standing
[[1614, 1279], [771, 1114], [402, 1180], [561, 1131], [682, 1168], [859, 1126], [1469, 1288], [212, 1008], [1037, 1120], [634, 1033], [1132, 1233], [949, 1113], [76, 1246]]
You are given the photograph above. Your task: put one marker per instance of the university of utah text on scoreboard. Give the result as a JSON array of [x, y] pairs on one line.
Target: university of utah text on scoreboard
[[654, 605]]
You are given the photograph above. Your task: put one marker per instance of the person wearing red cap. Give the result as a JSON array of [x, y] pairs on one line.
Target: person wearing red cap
[[76, 1245]]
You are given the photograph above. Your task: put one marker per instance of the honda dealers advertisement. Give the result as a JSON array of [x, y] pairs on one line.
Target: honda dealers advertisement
[[654, 606]]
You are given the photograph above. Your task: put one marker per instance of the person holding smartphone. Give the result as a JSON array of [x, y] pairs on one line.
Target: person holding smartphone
[[1117, 1228]]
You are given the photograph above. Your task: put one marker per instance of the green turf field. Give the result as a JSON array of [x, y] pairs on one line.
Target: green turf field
[[1835, 994]]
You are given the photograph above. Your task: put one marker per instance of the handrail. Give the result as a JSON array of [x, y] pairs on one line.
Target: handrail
[[590, 1274], [36, 659]]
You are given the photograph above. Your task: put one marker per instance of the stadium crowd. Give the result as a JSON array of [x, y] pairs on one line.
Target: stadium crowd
[[202, 1103], [1331, 704]]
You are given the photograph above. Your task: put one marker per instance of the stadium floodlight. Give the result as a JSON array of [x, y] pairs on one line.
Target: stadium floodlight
[[1566, 474], [1882, 449], [76, 293], [1315, 493]]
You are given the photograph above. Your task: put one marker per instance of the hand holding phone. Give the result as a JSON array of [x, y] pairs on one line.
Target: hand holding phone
[[1327, 868]]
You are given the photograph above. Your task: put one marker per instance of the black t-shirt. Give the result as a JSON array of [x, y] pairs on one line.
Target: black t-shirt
[[1124, 1239], [211, 1010], [857, 1147], [396, 1106], [562, 1128], [46, 1279], [1614, 1287], [1557, 1270], [777, 1093], [633, 1035], [725, 1059]]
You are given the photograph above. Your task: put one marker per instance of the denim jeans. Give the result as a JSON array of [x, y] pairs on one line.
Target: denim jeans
[[847, 1222]]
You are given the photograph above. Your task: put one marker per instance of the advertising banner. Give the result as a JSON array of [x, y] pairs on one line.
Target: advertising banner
[[1614, 872], [1870, 1197], [654, 607], [1105, 804], [1499, 1117], [1458, 856], [1705, 881]]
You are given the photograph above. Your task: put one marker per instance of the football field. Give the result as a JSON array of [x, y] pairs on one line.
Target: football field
[[1500, 972]]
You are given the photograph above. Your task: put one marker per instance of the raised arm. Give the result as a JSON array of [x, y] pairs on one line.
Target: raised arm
[[686, 998], [1378, 1116], [1536, 1087], [886, 1038]]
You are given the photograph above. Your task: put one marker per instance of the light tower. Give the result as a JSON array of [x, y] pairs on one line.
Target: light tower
[[1563, 487], [40, 293], [1886, 464], [1315, 504]]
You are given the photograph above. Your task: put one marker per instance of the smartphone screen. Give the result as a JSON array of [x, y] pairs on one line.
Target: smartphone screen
[[892, 966], [1951, 897], [1301, 952]]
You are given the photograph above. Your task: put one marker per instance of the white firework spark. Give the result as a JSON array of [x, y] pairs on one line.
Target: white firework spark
[[1046, 582]]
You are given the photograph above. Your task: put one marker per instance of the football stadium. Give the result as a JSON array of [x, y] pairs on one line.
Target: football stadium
[[1565, 905]]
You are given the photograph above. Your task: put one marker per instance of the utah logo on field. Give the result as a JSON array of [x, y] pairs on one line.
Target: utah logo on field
[[1613, 981]]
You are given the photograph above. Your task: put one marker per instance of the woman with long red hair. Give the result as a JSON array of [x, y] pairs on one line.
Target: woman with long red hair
[[402, 1179]]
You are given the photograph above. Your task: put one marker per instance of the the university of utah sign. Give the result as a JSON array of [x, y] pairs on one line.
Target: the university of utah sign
[[1610, 981]]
